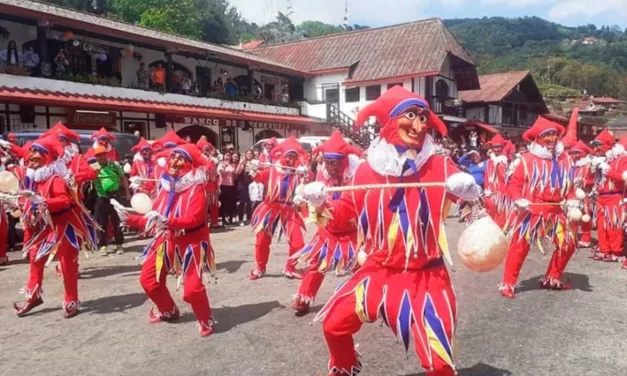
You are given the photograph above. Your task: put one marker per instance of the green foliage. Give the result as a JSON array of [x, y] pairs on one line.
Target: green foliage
[[555, 54]]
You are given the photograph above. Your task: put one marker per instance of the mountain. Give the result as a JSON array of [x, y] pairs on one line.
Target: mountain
[[580, 58]]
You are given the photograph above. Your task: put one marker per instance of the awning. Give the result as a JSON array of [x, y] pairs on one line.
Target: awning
[[91, 102], [476, 124]]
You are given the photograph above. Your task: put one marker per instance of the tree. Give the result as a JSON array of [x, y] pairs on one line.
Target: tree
[[312, 29], [280, 30]]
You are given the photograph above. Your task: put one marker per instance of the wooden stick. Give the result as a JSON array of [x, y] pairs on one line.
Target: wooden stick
[[546, 203], [349, 188], [277, 166]]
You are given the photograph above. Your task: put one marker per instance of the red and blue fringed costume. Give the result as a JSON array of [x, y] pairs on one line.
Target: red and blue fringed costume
[[543, 180], [212, 178], [181, 244], [278, 211], [58, 226], [334, 247], [496, 201], [583, 178], [404, 281], [610, 190], [143, 168]]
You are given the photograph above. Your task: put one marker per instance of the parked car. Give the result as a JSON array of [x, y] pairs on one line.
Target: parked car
[[122, 144]]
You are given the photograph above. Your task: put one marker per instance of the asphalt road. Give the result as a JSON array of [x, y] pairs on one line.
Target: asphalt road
[[578, 332]]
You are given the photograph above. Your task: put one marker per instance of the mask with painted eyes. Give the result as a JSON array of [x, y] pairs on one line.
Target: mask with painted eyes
[[335, 167], [178, 165], [548, 139]]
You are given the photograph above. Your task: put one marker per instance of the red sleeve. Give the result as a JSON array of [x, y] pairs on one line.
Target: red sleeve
[[516, 182], [19, 152], [347, 207], [262, 176], [616, 172], [136, 221], [82, 171], [58, 196], [134, 169], [197, 213]]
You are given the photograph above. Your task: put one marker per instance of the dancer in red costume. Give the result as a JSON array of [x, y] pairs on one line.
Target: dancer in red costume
[[169, 141], [278, 210], [54, 224], [143, 168], [404, 280], [583, 179], [539, 184], [266, 155], [495, 198], [103, 138], [212, 180], [610, 189], [334, 245], [181, 243]]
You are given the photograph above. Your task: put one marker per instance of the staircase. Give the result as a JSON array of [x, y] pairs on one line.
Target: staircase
[[361, 136]]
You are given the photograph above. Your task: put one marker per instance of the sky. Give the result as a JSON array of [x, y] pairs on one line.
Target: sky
[[387, 12]]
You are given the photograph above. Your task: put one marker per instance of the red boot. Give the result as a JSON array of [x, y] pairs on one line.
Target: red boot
[[549, 283], [71, 309], [301, 306], [21, 311], [256, 273], [625, 264], [164, 317], [205, 328], [507, 291], [290, 272]]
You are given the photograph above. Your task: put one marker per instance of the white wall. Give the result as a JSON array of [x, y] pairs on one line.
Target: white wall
[[20, 33]]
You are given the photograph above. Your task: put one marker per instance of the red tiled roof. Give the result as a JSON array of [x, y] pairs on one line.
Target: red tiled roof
[[252, 44], [494, 87], [409, 49], [46, 98], [73, 19], [606, 100]]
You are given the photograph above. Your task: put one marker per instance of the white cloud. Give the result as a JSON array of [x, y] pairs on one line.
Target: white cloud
[[385, 12], [564, 9]]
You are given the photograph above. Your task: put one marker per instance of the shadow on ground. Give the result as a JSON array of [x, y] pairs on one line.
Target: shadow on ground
[[479, 369], [579, 282], [230, 317], [111, 304], [230, 266], [108, 271]]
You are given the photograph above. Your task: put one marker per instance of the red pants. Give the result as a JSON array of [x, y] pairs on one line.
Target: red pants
[[68, 258], [4, 235], [586, 230], [309, 286], [518, 251], [194, 291], [418, 302], [499, 217], [262, 246], [610, 235], [214, 214]]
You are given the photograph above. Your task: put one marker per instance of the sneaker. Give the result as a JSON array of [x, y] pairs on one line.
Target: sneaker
[[119, 250], [104, 252]]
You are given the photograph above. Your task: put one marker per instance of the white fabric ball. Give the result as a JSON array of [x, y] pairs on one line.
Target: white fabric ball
[[482, 246], [580, 194], [574, 215], [585, 218]]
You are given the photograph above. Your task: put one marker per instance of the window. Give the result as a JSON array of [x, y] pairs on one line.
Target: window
[[396, 84], [373, 92], [352, 94], [331, 93]]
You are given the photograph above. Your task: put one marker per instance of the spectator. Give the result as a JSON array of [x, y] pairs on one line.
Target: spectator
[[256, 154], [11, 57], [228, 189], [109, 183], [285, 97], [474, 165], [230, 88], [186, 84], [143, 77], [158, 78], [244, 179], [218, 87], [61, 63], [31, 60]]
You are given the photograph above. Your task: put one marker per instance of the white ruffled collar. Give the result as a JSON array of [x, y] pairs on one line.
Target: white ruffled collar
[[544, 153], [44, 173], [184, 182], [617, 150], [583, 161], [387, 161]]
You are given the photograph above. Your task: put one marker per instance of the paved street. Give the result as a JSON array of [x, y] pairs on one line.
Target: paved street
[[579, 332]]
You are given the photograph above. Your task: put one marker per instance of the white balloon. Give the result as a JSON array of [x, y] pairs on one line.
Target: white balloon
[[580, 194], [585, 218], [482, 246], [574, 215], [141, 203], [127, 168], [8, 182]]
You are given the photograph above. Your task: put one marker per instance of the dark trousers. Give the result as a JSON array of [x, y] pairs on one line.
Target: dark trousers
[[12, 237], [228, 202], [245, 206], [105, 215]]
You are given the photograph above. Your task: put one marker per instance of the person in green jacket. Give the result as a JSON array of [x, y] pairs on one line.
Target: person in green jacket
[[110, 183]]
